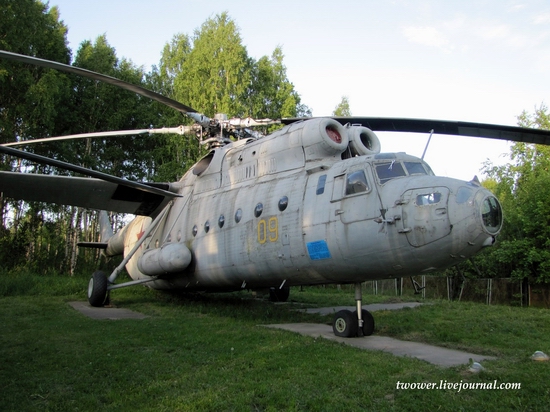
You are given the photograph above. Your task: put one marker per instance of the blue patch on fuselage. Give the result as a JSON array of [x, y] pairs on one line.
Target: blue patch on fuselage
[[318, 250]]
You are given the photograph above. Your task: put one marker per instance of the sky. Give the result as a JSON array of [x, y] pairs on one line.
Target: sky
[[471, 60]]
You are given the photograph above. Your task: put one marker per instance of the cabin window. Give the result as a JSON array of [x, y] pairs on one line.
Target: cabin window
[[428, 199], [356, 183], [221, 221], [207, 226], [238, 215], [195, 230], [389, 170], [283, 203], [415, 168], [321, 184], [258, 210]]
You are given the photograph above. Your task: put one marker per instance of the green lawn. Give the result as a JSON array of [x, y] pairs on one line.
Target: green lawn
[[207, 353]]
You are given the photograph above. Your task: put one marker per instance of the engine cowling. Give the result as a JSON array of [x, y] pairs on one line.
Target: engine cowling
[[363, 141], [320, 138]]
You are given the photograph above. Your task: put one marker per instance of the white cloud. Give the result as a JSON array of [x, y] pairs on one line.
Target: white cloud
[[426, 36], [543, 18]]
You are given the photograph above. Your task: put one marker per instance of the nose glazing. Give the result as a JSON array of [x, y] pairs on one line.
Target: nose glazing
[[491, 215]]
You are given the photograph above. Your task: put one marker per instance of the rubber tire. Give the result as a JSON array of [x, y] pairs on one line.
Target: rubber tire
[[344, 324], [97, 289], [279, 295], [368, 322]]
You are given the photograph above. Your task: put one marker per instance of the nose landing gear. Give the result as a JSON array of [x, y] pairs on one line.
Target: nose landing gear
[[350, 324]]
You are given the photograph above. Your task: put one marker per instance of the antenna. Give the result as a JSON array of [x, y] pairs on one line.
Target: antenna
[[427, 144]]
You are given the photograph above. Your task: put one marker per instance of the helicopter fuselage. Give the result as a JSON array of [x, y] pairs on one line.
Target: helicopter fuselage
[[303, 206]]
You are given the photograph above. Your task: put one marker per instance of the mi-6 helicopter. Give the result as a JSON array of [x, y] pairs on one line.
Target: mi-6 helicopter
[[313, 203]]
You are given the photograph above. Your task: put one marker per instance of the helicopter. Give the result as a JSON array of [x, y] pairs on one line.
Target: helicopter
[[315, 202]]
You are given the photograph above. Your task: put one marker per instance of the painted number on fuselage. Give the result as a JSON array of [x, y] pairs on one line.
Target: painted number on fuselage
[[268, 230]]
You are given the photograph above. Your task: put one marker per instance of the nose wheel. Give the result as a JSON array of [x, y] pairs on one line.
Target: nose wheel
[[97, 289], [348, 324]]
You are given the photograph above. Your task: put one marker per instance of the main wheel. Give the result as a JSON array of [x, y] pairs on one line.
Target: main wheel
[[368, 322], [344, 324], [279, 295], [97, 289]]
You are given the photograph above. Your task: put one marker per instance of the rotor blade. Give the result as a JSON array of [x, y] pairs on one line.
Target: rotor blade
[[165, 130], [99, 77], [249, 122], [86, 172], [491, 131]]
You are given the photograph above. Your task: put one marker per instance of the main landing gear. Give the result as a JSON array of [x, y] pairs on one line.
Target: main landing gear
[[360, 322]]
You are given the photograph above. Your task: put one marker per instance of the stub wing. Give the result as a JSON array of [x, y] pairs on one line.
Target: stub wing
[[89, 193]]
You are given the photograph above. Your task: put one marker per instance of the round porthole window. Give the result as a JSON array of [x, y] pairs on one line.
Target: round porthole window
[[238, 215], [221, 221], [258, 210], [283, 203], [195, 230], [207, 226]]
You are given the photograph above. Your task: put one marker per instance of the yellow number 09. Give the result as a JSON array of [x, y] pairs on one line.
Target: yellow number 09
[[268, 230]]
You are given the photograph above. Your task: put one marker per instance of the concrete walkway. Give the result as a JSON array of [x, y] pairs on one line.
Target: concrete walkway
[[429, 353], [106, 312]]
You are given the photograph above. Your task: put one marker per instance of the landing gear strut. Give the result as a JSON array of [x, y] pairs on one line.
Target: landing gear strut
[[350, 324], [100, 284]]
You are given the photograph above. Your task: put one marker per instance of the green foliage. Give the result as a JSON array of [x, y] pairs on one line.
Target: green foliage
[[523, 188], [343, 108], [210, 71], [30, 96]]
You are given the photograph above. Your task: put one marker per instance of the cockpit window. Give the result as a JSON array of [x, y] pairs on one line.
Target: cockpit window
[[415, 168], [356, 183], [389, 170]]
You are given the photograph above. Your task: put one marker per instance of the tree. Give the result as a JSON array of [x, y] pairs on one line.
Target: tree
[[214, 75], [342, 110], [523, 188], [29, 96], [31, 101], [272, 95], [212, 72]]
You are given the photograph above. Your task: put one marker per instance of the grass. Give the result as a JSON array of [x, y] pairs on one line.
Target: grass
[[207, 353]]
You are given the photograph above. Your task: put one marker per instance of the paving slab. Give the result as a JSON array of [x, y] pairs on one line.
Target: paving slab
[[106, 312], [429, 353], [373, 307]]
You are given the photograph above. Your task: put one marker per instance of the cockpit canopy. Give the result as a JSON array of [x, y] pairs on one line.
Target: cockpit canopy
[[389, 166]]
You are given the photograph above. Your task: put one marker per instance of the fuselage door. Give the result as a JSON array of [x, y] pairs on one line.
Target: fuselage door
[[426, 215], [353, 196]]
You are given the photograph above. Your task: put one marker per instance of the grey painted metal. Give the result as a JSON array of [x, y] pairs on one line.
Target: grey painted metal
[[136, 245], [84, 192]]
